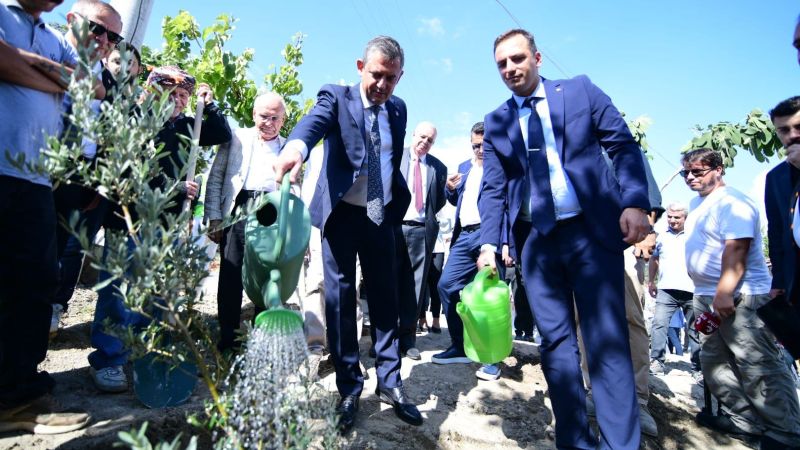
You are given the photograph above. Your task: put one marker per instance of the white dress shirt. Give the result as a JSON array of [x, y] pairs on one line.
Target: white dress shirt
[[469, 214], [412, 213], [564, 196], [260, 175]]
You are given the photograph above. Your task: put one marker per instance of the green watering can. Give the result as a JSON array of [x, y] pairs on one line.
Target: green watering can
[[485, 310], [275, 242]]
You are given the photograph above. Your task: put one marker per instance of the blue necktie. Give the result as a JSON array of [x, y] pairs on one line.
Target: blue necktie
[[543, 211], [374, 180]]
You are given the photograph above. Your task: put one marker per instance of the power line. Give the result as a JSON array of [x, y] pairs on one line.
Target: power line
[[543, 51]]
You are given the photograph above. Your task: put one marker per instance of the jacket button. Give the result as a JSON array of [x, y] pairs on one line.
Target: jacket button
[[340, 195]]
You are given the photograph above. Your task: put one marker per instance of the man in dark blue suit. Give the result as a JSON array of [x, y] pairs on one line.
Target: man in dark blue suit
[[359, 201], [780, 199], [571, 219]]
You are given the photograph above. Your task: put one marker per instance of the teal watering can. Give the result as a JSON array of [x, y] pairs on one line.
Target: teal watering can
[[275, 242], [485, 310]]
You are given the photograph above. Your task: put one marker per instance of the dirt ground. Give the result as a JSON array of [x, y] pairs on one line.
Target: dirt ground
[[460, 411]]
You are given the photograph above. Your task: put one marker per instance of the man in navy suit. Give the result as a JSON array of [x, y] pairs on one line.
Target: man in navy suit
[[360, 200], [780, 199], [571, 220]]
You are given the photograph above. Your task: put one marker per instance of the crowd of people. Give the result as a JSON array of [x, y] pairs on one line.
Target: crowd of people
[[558, 198]]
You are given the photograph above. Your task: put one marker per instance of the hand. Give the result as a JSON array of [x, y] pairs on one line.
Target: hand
[[652, 289], [453, 181], [634, 225], [487, 259], [191, 189], [507, 259], [204, 92], [216, 233], [723, 305], [644, 249], [776, 292], [290, 160]]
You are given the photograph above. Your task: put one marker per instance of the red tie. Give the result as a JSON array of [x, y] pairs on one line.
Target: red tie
[[418, 186]]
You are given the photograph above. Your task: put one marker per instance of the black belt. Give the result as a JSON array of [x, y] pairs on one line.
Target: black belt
[[471, 228], [569, 220], [413, 223]]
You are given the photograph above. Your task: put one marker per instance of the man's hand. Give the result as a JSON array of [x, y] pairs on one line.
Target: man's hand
[[652, 289], [634, 225], [644, 249], [204, 92], [191, 189], [723, 305], [453, 181], [290, 160], [216, 233], [487, 259], [507, 259]]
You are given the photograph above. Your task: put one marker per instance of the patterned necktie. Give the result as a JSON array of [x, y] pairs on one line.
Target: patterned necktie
[[543, 211], [418, 186], [374, 181]]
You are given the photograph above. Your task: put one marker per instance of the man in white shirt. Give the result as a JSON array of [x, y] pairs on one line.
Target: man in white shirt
[[741, 364], [426, 177], [674, 289], [242, 170]]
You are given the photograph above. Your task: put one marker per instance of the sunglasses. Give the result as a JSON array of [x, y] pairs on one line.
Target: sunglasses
[[697, 173], [99, 30], [476, 146]]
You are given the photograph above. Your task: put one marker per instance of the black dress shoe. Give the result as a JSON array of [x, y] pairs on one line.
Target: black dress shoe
[[436, 330], [347, 409], [403, 408]]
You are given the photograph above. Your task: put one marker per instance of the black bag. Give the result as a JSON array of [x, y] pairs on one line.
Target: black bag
[[783, 319]]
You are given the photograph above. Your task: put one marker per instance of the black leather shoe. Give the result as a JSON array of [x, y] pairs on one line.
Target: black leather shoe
[[403, 408], [347, 409]]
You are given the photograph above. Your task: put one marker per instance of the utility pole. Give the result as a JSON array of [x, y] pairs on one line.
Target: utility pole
[[135, 15]]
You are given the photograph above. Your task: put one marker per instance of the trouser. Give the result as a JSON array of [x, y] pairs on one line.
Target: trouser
[[745, 371], [28, 275], [459, 270], [312, 301], [570, 270], [674, 339], [348, 234], [413, 263], [523, 317], [434, 275], [667, 301]]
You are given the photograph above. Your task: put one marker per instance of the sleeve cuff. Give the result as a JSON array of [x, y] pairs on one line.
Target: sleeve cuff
[[490, 247], [297, 145]]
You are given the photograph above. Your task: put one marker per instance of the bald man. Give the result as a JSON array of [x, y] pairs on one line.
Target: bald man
[[242, 170], [426, 177]]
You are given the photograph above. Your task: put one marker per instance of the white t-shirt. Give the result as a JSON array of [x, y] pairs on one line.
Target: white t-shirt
[[723, 215], [671, 253]]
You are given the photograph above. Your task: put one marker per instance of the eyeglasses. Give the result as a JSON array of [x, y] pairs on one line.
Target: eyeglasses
[[99, 30], [273, 119], [697, 173], [477, 146]]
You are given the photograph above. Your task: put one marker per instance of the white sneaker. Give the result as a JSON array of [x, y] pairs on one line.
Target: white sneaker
[[109, 379], [55, 319], [488, 372]]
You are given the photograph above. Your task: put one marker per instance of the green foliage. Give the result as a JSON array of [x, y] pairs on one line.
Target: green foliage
[[137, 440], [638, 127], [286, 82], [755, 135]]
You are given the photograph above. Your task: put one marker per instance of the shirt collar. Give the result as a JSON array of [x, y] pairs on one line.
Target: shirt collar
[[538, 92], [675, 232], [15, 4], [414, 156]]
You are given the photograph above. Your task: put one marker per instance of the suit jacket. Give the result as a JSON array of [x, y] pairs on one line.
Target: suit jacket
[[228, 172], [338, 117], [779, 200], [435, 182], [585, 123]]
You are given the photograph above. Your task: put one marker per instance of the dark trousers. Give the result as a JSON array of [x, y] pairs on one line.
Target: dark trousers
[[413, 262], [567, 269], [523, 317], [28, 274], [70, 199], [348, 232], [459, 270], [434, 275], [667, 301]]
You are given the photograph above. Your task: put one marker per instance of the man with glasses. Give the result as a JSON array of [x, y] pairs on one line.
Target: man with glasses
[[242, 170], [741, 363]]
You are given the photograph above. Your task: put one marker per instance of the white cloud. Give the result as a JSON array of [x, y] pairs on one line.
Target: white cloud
[[432, 27], [445, 64]]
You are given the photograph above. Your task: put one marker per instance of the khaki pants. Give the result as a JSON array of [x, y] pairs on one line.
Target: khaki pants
[[634, 313], [743, 368]]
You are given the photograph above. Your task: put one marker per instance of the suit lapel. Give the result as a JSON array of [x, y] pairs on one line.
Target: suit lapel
[[356, 108], [555, 101], [511, 114], [429, 176]]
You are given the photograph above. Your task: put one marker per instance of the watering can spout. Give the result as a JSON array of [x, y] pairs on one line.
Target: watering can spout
[[469, 325]]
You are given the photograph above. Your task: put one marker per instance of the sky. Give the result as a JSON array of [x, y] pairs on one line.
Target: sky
[[681, 63]]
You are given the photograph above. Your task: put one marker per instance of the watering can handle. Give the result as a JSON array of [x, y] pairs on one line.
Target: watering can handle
[[283, 217]]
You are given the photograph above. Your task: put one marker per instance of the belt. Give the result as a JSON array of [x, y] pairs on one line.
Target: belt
[[569, 220], [251, 194], [413, 223], [471, 228]]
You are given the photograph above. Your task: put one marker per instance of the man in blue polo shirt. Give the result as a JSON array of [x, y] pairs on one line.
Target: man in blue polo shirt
[[29, 112]]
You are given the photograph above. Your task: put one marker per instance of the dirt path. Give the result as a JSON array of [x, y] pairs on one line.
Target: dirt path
[[460, 411]]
